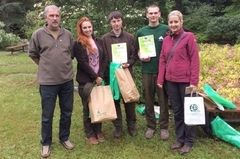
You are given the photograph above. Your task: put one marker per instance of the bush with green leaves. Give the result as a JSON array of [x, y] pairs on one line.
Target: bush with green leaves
[[7, 39], [224, 30]]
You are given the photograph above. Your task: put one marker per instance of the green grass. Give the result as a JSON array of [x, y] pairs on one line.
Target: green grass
[[20, 125]]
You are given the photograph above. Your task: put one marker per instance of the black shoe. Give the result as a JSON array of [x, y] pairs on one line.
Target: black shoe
[[132, 132], [117, 133]]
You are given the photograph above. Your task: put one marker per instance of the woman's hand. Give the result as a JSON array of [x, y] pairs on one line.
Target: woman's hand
[[98, 81], [125, 65], [194, 88], [159, 85]]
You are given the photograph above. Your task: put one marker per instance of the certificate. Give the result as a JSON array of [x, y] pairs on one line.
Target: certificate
[[119, 53], [147, 46]]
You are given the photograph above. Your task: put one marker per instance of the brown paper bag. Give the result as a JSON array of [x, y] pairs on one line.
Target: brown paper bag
[[127, 86], [208, 102], [101, 105]]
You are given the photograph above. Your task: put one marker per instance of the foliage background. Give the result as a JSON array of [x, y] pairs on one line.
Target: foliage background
[[212, 21]]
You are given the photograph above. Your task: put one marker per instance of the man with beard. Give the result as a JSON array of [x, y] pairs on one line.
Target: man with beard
[[50, 48], [150, 74]]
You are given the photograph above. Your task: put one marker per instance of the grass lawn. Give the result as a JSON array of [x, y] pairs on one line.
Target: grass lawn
[[21, 115]]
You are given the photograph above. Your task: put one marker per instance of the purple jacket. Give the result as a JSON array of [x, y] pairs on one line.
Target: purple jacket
[[184, 64]]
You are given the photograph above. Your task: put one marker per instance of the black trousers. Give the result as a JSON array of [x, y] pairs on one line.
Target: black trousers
[[91, 130], [185, 134], [130, 115]]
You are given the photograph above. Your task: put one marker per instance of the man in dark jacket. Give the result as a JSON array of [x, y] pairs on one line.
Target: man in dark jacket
[[117, 36]]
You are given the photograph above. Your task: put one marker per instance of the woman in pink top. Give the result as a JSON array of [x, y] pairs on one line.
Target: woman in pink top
[[181, 71]]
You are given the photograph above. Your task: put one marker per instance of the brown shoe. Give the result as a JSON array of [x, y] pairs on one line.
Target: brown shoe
[[45, 151], [92, 140], [68, 144], [100, 137], [149, 133], [176, 145], [164, 134], [185, 150]]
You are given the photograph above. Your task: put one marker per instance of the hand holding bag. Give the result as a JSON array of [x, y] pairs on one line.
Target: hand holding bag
[[127, 86], [101, 104], [194, 112]]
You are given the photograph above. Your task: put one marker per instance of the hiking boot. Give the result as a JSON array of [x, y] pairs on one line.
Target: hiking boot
[[100, 137], [185, 150], [149, 133], [45, 151], [117, 133], [164, 134], [176, 145], [132, 131], [68, 144], [92, 140]]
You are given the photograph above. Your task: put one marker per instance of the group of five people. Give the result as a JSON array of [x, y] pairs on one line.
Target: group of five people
[[52, 48]]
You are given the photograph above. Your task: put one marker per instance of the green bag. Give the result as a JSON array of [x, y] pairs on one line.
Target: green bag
[[225, 132], [217, 98], [113, 81], [141, 109]]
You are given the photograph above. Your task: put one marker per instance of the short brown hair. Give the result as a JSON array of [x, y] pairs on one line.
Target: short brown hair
[[153, 6], [114, 14]]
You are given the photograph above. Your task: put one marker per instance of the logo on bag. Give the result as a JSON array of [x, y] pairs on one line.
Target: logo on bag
[[100, 114], [193, 108]]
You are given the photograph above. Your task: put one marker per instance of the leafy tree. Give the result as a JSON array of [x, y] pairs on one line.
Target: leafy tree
[[224, 29], [12, 13], [233, 8], [97, 11]]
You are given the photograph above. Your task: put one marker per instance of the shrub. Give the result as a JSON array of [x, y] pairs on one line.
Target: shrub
[[7, 39], [224, 29], [220, 67]]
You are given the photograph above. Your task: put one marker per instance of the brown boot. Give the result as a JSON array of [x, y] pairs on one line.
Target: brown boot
[[176, 145], [185, 150]]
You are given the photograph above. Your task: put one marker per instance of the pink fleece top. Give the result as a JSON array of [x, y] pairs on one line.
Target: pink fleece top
[[184, 66]]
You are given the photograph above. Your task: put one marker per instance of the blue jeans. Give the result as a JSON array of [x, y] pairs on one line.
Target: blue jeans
[[49, 95]]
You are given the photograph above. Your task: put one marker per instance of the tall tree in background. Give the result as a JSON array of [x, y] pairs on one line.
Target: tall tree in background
[[133, 11], [13, 12], [233, 8]]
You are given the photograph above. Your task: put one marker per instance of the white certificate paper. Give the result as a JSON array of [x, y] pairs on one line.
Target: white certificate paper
[[119, 52], [147, 46]]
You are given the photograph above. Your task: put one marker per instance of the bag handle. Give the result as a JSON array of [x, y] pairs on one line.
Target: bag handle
[[195, 91], [173, 48]]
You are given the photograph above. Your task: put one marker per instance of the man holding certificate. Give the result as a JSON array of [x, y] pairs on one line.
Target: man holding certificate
[[121, 48], [150, 42]]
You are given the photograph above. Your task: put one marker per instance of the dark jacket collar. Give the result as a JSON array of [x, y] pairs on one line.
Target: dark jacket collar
[[111, 33]]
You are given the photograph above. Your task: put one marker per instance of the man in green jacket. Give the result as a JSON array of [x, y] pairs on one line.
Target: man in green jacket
[[150, 73]]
